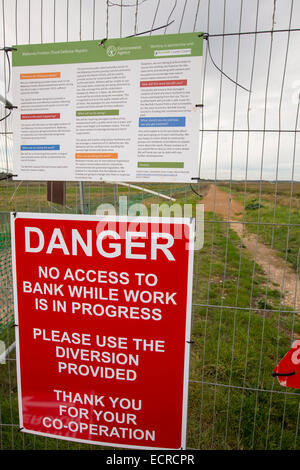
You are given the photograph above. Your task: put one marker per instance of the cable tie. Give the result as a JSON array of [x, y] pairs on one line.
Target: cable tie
[[101, 43], [199, 105], [20, 429], [190, 342], [8, 49], [203, 35], [6, 116], [7, 177], [287, 374], [14, 325]]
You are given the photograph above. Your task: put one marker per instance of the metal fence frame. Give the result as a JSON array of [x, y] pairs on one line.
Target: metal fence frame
[[178, 9]]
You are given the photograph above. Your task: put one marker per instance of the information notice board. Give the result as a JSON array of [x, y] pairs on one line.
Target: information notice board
[[102, 319], [114, 110]]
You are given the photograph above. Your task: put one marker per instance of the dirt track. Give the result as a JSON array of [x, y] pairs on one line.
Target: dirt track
[[275, 268]]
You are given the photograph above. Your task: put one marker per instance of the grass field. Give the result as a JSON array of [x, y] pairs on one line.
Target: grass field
[[273, 212], [240, 330]]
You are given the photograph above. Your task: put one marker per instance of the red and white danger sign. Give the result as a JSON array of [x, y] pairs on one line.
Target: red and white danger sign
[[103, 312]]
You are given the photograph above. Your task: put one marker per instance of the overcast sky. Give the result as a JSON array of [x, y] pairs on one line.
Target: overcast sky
[[269, 64]]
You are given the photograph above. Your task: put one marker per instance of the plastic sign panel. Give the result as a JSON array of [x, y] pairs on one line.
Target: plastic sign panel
[[115, 110], [102, 313], [288, 369]]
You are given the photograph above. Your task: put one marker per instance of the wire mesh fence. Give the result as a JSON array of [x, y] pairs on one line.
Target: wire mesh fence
[[246, 300]]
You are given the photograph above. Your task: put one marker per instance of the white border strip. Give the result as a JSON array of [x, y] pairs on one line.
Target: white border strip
[[15, 294], [186, 372]]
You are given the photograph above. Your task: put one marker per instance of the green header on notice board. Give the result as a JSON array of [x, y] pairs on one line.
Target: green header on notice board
[[110, 50]]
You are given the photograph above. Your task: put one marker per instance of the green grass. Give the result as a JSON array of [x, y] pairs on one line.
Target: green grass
[[283, 236], [32, 196], [238, 347]]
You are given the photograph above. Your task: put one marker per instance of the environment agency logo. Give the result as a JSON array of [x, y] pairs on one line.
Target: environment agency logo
[[111, 51]]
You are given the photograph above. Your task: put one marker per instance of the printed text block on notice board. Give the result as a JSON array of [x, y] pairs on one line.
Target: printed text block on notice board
[[126, 109]]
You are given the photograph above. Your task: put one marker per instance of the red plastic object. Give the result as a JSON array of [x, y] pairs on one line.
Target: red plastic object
[[288, 369]]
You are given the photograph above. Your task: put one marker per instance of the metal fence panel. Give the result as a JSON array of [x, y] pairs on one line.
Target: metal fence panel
[[246, 300]]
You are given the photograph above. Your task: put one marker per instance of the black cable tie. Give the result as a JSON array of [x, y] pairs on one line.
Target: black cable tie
[[203, 35], [191, 341], [199, 105], [150, 30], [196, 178], [10, 106], [15, 215], [287, 374], [7, 177], [20, 429], [101, 43]]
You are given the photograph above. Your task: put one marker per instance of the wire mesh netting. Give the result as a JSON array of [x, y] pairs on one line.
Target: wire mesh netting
[[246, 300]]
